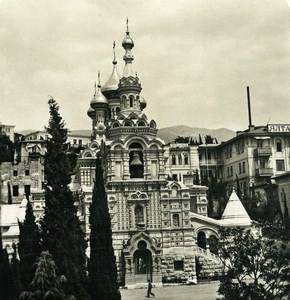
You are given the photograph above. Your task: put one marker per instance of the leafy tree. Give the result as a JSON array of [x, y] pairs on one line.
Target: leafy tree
[[18, 138], [6, 149], [209, 139], [28, 246], [46, 284], [210, 195], [102, 264], [61, 231], [255, 267]]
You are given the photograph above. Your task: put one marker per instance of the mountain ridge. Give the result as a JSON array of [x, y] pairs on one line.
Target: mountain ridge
[[168, 134]]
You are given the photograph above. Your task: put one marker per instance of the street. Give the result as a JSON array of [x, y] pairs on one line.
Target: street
[[206, 291]]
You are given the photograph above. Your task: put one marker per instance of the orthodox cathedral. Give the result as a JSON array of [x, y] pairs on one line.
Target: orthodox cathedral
[[159, 217]]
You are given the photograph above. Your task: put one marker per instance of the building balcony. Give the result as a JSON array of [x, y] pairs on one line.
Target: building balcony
[[264, 172], [258, 152]]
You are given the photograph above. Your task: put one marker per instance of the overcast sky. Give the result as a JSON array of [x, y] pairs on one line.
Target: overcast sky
[[194, 59]]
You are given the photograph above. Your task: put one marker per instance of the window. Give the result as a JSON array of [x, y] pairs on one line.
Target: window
[[174, 177], [26, 172], [228, 172], [278, 145], [186, 159], [280, 165], [139, 216], [240, 168], [178, 265], [131, 101], [175, 219], [200, 156], [262, 164], [80, 142], [209, 155], [231, 170], [259, 143], [74, 141], [179, 159], [27, 189], [15, 191], [244, 167], [173, 159], [15, 172]]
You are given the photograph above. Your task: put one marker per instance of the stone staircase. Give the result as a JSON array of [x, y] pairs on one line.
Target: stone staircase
[[210, 262]]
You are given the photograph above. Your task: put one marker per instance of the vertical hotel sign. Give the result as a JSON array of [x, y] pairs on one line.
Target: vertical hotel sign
[[278, 128]]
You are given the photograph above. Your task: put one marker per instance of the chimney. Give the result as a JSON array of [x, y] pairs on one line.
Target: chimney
[[251, 126]]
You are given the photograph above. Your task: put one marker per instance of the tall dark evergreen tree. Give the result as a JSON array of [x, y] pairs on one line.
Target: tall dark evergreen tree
[[46, 283], [9, 193], [61, 231], [6, 280], [15, 271], [102, 264], [28, 246]]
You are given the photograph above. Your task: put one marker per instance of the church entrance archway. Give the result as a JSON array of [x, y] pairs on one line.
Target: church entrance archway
[[143, 262]]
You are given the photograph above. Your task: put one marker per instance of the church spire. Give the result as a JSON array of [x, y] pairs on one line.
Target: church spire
[[128, 44], [113, 81]]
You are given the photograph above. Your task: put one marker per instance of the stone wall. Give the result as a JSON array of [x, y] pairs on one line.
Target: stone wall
[[171, 274]]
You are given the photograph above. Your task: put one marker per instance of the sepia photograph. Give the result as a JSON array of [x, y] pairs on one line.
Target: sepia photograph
[[144, 149]]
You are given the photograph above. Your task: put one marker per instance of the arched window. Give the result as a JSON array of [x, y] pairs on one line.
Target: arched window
[[174, 192], [124, 101], [179, 159], [139, 215], [175, 219], [131, 101], [128, 123], [201, 240], [173, 159], [136, 164], [186, 159], [278, 145]]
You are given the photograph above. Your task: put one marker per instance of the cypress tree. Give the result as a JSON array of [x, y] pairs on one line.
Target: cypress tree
[[6, 279], [15, 273], [102, 264], [61, 231], [28, 246], [9, 193], [46, 284]]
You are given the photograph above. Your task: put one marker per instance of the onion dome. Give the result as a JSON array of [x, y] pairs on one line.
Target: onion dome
[[99, 99], [143, 102], [113, 81], [91, 113], [127, 41]]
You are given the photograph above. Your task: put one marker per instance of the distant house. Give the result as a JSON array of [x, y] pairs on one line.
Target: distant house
[[7, 130]]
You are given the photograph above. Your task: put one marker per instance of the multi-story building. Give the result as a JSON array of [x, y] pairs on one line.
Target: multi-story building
[[253, 157], [7, 130], [159, 217]]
